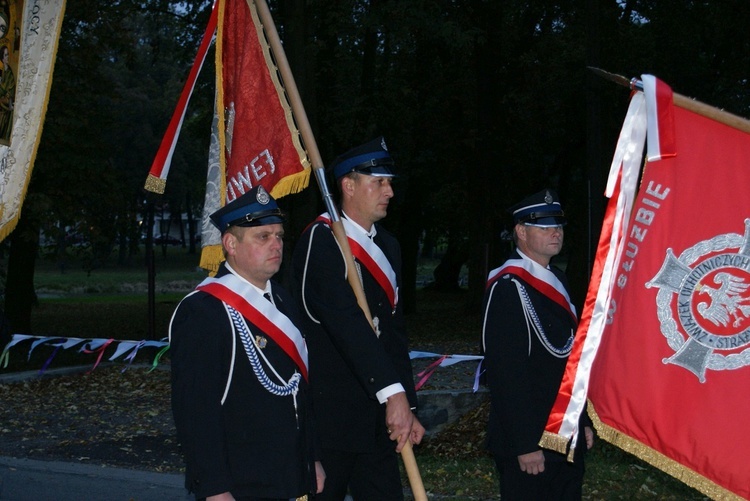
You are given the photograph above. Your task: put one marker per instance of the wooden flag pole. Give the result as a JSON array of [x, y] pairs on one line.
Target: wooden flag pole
[[685, 102], [407, 453]]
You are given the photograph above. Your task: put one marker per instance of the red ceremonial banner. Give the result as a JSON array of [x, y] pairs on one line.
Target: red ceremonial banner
[[669, 380], [265, 147], [261, 143], [254, 138]]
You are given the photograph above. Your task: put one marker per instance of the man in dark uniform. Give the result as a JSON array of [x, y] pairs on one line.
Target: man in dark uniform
[[529, 327], [240, 391], [363, 388]]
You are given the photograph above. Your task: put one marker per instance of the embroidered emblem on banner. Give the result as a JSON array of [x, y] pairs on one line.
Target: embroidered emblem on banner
[[710, 286]]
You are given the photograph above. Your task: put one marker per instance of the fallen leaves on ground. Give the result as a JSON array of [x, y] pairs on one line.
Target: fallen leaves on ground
[[463, 439], [103, 417]]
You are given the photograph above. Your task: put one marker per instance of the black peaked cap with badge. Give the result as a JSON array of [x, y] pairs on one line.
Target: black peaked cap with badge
[[253, 208], [371, 158], [540, 209]]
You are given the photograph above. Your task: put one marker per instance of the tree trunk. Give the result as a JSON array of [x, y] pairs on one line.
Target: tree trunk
[[448, 271], [408, 237], [20, 297]]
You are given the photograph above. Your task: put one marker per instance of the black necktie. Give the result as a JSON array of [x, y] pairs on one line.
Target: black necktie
[[268, 296]]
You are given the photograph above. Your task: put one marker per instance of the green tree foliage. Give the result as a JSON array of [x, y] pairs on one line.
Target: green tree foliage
[[485, 101], [120, 69]]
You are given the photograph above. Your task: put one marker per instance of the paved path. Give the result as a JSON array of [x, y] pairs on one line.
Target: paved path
[[32, 480]]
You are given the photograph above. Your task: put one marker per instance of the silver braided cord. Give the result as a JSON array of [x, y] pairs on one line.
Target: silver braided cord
[[289, 388], [531, 314]]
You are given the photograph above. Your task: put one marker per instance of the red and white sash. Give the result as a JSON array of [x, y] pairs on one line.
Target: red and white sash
[[241, 296], [537, 276], [370, 256]]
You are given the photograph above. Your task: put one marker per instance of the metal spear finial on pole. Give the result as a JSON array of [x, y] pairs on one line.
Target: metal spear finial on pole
[[685, 102], [407, 453], [632, 84]]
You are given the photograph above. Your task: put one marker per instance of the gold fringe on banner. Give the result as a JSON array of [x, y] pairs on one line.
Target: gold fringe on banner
[[155, 184], [211, 258], [554, 442], [291, 184], [659, 460], [35, 71], [220, 104], [273, 71], [212, 255]]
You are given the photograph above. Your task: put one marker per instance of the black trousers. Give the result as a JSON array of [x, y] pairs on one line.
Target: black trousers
[[560, 481], [252, 498], [372, 476]]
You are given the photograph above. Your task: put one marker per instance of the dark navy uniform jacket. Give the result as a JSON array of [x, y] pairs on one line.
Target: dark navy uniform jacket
[[254, 444], [523, 370], [351, 364]]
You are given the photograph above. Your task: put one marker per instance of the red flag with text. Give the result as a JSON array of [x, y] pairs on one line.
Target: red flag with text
[[670, 376], [254, 140], [261, 142]]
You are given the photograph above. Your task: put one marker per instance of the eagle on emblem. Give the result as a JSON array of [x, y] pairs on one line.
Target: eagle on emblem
[[726, 301]]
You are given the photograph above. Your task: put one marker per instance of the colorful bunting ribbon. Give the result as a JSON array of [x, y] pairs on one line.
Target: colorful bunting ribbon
[[126, 349], [129, 349]]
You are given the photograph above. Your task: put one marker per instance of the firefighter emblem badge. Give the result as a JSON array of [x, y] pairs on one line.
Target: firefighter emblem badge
[[707, 289]]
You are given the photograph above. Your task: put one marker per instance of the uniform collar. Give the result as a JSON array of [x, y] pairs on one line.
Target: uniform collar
[[369, 234], [256, 288]]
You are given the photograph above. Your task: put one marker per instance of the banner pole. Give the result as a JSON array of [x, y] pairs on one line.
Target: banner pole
[[685, 102], [407, 453]]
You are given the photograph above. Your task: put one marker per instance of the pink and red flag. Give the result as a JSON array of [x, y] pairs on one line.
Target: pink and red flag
[[663, 350]]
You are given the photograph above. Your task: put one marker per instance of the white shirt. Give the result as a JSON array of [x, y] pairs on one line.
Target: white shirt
[[260, 291]]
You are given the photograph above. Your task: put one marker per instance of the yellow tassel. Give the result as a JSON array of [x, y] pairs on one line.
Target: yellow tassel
[[291, 184], [211, 257], [155, 184], [554, 442]]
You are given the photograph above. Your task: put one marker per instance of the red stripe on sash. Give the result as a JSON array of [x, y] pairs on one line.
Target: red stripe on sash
[[538, 284], [369, 263], [257, 318]]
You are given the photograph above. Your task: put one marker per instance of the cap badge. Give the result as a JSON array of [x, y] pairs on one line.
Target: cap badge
[[382, 144], [262, 196], [548, 197]]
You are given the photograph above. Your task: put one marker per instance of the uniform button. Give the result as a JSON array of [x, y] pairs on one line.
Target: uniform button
[[372, 380]]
